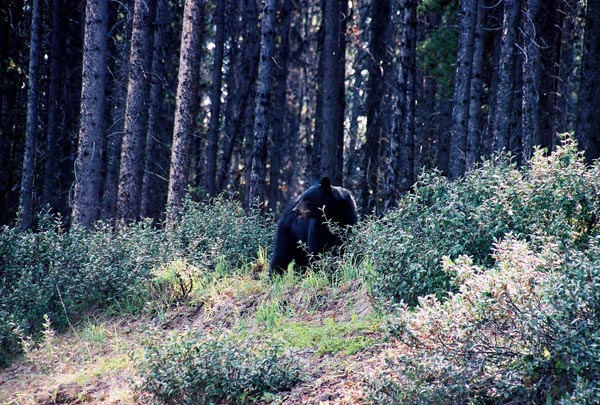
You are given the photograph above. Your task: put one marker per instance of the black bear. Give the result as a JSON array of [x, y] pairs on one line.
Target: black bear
[[305, 221]]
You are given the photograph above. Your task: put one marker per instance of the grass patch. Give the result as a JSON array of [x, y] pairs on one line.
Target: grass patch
[[330, 337], [94, 333], [106, 366], [271, 313]]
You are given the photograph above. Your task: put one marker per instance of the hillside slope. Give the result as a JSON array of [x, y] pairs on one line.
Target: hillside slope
[[332, 330]]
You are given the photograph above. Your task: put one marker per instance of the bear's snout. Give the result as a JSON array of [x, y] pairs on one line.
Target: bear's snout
[[300, 211]]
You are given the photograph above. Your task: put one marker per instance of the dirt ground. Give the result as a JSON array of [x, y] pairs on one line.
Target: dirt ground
[[91, 364]]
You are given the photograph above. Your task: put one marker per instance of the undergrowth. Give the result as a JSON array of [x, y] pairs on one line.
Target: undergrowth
[[522, 331], [58, 273], [489, 285], [196, 368], [492, 285], [555, 199]]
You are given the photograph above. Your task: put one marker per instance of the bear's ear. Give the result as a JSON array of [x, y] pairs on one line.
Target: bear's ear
[[325, 183]]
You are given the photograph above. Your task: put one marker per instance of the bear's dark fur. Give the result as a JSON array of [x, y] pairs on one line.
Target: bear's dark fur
[[304, 221]]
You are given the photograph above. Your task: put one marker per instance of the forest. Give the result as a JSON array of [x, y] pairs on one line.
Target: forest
[[148, 148], [117, 110]]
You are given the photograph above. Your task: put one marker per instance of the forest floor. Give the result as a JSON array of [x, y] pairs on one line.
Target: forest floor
[[334, 331]]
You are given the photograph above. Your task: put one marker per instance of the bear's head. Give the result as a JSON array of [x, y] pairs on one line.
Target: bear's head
[[315, 200]]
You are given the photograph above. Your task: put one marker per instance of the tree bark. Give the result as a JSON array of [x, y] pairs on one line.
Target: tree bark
[[462, 85], [506, 80], [401, 144], [136, 112], [153, 179], [251, 61], [91, 135], [314, 134], [281, 132], [550, 22], [568, 86], [531, 80], [187, 102], [381, 12], [215, 100], [400, 171], [242, 79], [118, 97], [70, 95], [332, 113], [28, 171], [262, 123], [474, 130], [588, 119], [49, 183], [407, 84]]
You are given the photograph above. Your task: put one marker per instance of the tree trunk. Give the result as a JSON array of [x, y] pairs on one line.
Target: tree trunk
[[296, 104], [462, 84], [506, 80], [231, 124], [381, 11], [49, 183], [241, 87], [251, 61], [91, 136], [400, 171], [332, 112], [153, 180], [215, 100], [314, 134], [588, 119], [28, 172], [118, 97], [187, 102], [71, 92], [550, 22], [407, 85], [474, 130], [281, 132], [531, 80], [136, 111], [566, 103], [263, 114]]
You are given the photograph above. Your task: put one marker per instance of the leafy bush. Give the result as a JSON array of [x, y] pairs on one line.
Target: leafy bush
[[524, 331], [8, 339], [568, 334], [112, 264], [206, 234], [62, 273], [192, 368], [59, 274], [555, 199]]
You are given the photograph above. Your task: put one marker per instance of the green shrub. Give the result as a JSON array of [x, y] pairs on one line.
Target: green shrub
[[113, 263], [523, 331], [62, 273], [566, 364], [556, 199], [9, 343], [191, 368], [207, 234]]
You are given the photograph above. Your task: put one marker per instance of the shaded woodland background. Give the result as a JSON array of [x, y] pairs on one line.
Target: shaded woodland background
[[115, 110]]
